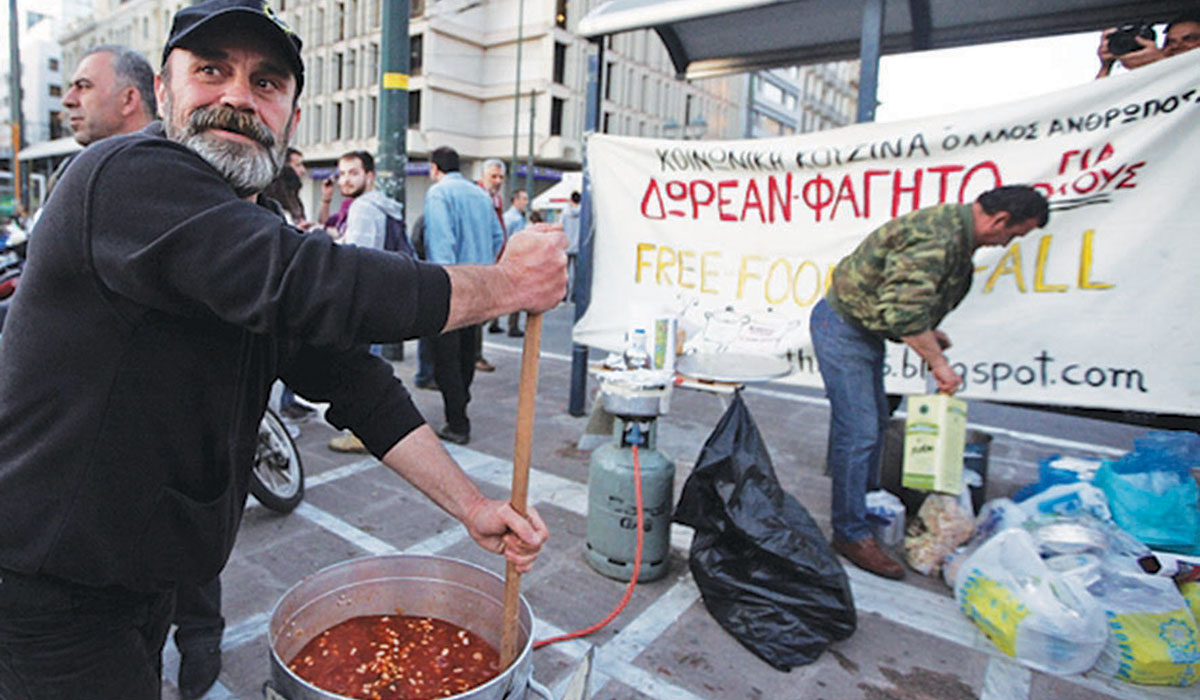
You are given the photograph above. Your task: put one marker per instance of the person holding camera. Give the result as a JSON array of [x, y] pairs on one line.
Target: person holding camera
[[1134, 44]]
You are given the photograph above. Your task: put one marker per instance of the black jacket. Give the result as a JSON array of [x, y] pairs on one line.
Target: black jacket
[[155, 311]]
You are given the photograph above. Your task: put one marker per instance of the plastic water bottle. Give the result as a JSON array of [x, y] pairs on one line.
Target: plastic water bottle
[[636, 355]]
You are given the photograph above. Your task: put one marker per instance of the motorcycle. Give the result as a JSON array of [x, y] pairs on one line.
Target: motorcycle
[[277, 480]]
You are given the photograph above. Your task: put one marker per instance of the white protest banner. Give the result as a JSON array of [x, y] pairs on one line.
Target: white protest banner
[[1098, 309]]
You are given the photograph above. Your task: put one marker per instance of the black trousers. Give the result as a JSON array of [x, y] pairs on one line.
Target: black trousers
[[454, 370], [64, 641], [198, 618]]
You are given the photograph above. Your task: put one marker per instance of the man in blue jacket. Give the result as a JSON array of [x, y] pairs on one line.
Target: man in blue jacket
[[460, 227]]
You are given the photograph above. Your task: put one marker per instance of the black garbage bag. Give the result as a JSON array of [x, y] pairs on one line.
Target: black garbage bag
[[765, 571]]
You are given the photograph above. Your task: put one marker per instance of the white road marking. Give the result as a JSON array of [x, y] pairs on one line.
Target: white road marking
[[1035, 438], [364, 541], [1006, 680], [342, 472]]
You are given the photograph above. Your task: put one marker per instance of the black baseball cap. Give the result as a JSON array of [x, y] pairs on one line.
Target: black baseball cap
[[254, 13]]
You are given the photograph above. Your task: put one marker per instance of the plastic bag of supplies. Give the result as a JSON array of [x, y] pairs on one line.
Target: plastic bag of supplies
[[1152, 636], [1042, 619], [764, 569]]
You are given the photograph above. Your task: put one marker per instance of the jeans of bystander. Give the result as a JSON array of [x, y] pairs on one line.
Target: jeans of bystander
[[851, 363]]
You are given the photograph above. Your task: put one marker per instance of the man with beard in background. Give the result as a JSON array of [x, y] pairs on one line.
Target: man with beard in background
[[138, 358]]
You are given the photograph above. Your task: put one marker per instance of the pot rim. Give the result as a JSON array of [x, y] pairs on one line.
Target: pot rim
[[524, 611]]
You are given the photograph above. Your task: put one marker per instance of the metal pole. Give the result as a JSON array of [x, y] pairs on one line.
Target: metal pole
[[512, 185], [529, 167], [391, 160], [869, 51], [583, 265], [14, 100]]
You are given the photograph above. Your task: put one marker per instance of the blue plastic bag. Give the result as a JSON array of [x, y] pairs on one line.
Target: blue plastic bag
[[1152, 493], [1057, 469]]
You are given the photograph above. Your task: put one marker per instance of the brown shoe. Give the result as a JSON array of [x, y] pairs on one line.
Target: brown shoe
[[483, 365], [867, 554], [348, 442]]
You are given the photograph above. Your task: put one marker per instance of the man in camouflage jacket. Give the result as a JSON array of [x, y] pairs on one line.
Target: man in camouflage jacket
[[897, 285]]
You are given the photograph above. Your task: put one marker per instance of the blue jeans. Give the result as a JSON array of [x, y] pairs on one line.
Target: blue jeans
[[851, 363]]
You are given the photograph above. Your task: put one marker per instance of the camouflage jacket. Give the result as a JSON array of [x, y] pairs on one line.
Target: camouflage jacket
[[907, 274]]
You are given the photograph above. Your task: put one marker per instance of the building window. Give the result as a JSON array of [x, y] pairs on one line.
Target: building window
[[607, 123], [556, 116], [56, 125], [372, 116], [350, 126], [319, 76], [416, 8], [339, 18], [318, 130], [339, 62], [53, 64], [560, 62], [352, 19], [319, 29], [351, 62], [373, 66], [416, 54], [336, 127], [56, 90], [560, 13], [610, 70], [414, 109]]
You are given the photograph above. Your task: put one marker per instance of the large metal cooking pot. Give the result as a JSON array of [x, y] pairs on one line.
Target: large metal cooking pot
[[448, 589]]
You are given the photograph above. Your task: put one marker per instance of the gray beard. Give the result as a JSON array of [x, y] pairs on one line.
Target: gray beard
[[248, 168]]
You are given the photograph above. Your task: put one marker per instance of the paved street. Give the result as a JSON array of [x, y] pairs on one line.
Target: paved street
[[912, 643]]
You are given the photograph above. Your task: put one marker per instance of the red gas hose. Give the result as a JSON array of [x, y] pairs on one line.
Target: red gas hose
[[637, 567]]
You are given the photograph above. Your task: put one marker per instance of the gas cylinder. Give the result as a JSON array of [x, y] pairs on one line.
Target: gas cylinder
[[612, 504]]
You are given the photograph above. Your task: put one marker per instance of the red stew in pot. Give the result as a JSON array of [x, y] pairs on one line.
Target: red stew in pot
[[396, 657]]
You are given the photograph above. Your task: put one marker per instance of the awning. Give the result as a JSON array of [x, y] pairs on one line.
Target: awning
[[559, 195], [732, 36], [49, 149]]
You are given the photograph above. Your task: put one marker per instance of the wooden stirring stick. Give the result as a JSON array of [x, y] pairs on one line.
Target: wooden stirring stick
[[522, 452]]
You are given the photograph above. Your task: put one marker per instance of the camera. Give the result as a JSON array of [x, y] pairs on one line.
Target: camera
[[1124, 40]]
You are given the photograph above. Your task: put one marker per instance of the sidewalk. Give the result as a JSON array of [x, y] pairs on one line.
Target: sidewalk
[[912, 643]]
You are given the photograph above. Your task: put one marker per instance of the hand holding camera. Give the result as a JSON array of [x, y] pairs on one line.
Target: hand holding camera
[[1133, 44], [1125, 39]]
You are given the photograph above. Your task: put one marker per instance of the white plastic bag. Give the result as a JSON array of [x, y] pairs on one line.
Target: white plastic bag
[[885, 512], [1153, 639], [995, 515], [1044, 620]]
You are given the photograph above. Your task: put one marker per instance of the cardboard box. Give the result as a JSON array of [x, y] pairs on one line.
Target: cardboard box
[[935, 434]]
